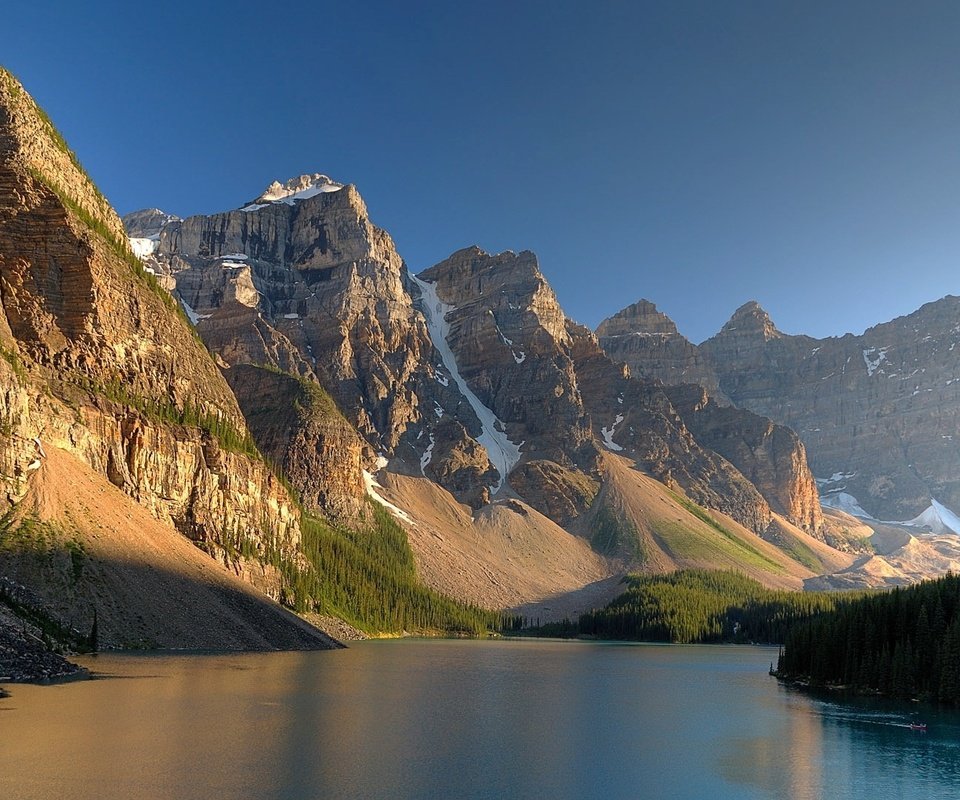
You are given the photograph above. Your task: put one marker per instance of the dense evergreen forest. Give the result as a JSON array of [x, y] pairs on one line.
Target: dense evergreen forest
[[904, 643], [697, 606], [368, 578]]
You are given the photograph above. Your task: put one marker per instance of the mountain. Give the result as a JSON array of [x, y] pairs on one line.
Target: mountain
[[877, 413], [272, 384], [469, 388], [118, 434], [648, 340]]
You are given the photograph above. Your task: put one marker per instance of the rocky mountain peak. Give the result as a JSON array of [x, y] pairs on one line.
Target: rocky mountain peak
[[648, 342], [299, 188], [751, 318], [641, 318], [147, 223]]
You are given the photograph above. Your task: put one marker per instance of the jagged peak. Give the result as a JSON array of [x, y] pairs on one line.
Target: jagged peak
[[289, 192], [147, 222], [751, 318], [641, 317], [475, 260]]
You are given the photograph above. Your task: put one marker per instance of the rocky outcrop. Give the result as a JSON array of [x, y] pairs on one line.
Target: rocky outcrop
[[769, 455], [98, 361], [299, 428], [648, 342], [635, 418], [508, 334], [552, 387], [877, 413], [301, 280]]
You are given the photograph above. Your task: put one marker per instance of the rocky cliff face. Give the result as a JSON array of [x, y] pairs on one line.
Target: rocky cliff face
[[300, 280], [648, 342], [877, 413], [549, 383], [769, 455], [511, 344], [299, 428], [636, 418], [98, 362]]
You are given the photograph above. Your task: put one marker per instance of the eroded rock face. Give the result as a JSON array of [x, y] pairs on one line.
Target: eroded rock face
[[509, 337], [298, 426], [636, 418], [554, 389], [769, 455], [877, 413], [98, 362], [648, 342], [302, 281]]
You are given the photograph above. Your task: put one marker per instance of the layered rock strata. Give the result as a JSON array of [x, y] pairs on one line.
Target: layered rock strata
[[300, 280], [878, 413], [98, 361]]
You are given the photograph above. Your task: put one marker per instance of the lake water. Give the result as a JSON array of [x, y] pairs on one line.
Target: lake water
[[463, 719]]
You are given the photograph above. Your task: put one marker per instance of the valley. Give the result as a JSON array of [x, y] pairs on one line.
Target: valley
[[208, 423]]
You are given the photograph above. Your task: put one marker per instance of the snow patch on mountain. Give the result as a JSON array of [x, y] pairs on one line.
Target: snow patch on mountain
[[607, 434], [427, 457], [144, 246], [192, 315], [936, 518], [846, 502], [293, 190], [873, 358], [374, 490], [503, 453]]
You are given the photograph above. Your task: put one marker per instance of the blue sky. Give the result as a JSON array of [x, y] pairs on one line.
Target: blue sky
[[804, 154]]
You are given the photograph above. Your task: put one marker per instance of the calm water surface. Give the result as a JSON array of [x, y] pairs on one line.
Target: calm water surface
[[456, 719]]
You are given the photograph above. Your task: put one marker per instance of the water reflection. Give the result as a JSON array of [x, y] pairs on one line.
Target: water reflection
[[463, 720], [783, 757]]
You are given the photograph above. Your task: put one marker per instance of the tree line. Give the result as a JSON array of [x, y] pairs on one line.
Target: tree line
[[368, 578], [902, 643], [697, 606]]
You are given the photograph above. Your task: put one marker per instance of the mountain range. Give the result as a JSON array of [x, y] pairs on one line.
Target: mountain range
[[185, 401]]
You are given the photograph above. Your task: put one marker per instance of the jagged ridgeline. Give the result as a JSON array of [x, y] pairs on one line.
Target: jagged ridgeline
[[878, 412], [121, 442], [505, 439], [904, 643]]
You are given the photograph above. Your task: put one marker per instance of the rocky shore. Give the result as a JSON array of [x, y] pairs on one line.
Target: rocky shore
[[25, 658]]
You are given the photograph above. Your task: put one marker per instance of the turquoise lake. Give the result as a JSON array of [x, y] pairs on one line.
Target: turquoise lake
[[464, 719]]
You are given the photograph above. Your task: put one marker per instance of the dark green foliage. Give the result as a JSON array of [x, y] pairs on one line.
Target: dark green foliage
[[368, 578], [904, 643], [698, 606]]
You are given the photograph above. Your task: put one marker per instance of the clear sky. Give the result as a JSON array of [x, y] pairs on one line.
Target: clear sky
[[803, 154]]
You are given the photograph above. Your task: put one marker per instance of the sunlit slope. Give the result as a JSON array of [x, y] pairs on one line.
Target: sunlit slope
[[505, 555], [671, 533]]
